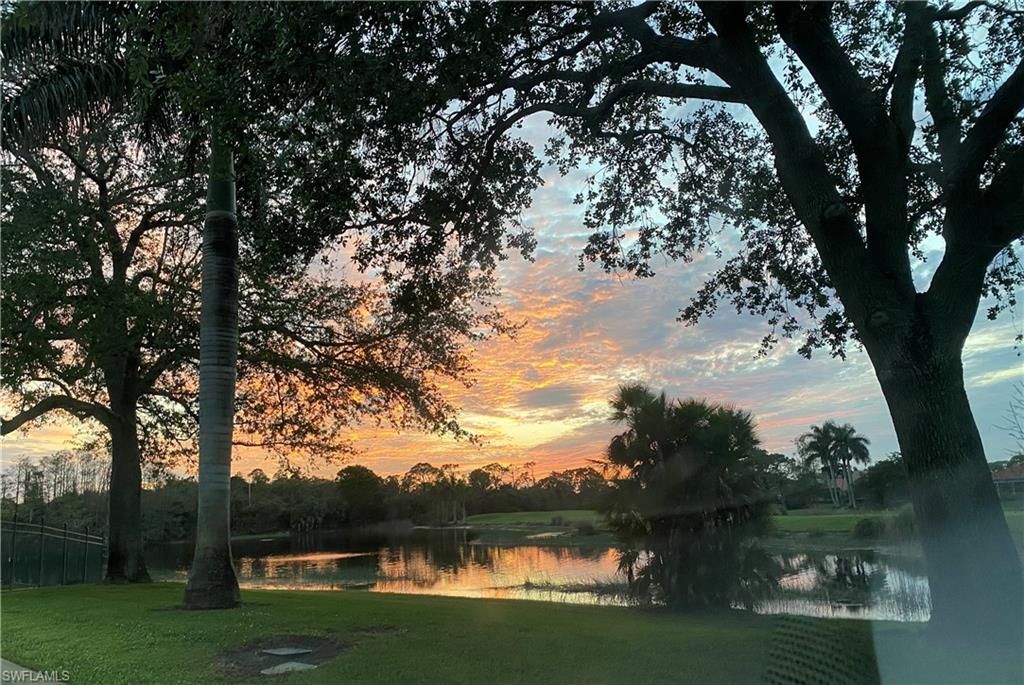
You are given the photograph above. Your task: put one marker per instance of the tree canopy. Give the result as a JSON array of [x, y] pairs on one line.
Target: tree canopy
[[857, 167], [101, 267], [731, 128]]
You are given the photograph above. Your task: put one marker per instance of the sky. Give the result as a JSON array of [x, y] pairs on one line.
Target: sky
[[543, 396]]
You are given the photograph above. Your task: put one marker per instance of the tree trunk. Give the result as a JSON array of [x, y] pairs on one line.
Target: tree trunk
[[833, 487], [125, 562], [974, 570], [212, 583], [849, 486]]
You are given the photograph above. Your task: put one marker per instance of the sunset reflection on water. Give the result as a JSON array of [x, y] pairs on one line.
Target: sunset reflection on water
[[454, 563], [461, 571]]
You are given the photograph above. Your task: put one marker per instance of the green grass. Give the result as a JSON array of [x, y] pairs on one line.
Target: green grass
[[527, 518], [118, 634], [843, 522], [138, 635], [1015, 519], [823, 522]]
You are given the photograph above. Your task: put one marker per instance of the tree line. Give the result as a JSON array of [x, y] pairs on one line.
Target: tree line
[[289, 500], [72, 487]]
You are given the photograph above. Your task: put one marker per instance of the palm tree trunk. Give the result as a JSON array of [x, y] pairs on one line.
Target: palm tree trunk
[[833, 487], [212, 582], [828, 484], [849, 486]]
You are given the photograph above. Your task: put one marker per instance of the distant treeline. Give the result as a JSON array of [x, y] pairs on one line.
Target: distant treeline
[[290, 500], [71, 487]]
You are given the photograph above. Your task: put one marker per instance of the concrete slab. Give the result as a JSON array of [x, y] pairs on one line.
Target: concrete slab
[[11, 667], [287, 667]]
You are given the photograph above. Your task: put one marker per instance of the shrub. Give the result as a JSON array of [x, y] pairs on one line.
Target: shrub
[[585, 528], [557, 521], [868, 528], [904, 525]]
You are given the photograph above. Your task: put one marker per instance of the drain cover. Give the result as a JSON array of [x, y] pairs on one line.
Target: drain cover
[[286, 651]]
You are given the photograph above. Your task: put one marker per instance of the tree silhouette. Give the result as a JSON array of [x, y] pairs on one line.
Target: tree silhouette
[[687, 499], [850, 448], [120, 346], [351, 166], [816, 447], [819, 147], [836, 448]]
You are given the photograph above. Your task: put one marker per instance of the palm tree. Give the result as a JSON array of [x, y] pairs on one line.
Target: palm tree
[[849, 447], [836, 447], [687, 499], [816, 447], [212, 582]]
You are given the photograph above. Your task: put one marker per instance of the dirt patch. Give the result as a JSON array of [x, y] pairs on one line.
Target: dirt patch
[[248, 660]]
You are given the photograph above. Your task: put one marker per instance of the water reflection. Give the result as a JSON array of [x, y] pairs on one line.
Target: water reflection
[[854, 584]]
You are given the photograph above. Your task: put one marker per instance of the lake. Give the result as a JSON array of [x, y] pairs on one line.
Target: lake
[[854, 584]]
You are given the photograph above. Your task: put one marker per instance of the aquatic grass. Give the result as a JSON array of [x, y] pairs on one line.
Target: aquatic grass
[[600, 587]]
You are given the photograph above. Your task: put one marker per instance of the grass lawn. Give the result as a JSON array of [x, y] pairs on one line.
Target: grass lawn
[[117, 634], [799, 529], [823, 522], [138, 635], [1015, 519], [526, 518], [828, 522], [794, 522]]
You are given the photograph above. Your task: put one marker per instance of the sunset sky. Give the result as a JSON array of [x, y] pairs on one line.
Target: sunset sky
[[543, 396]]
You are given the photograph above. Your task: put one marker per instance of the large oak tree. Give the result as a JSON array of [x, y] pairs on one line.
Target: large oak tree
[[313, 89], [821, 149], [101, 307]]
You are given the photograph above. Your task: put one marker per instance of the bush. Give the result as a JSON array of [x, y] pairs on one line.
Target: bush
[[868, 528], [904, 525], [585, 528], [557, 521]]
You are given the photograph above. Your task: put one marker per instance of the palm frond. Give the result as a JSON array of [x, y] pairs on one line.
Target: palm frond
[[62, 63], [67, 92], [53, 31]]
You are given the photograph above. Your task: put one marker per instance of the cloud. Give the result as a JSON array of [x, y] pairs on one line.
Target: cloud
[[546, 397]]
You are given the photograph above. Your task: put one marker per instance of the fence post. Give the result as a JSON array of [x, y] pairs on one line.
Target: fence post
[[14, 539], [42, 533], [64, 557], [85, 555]]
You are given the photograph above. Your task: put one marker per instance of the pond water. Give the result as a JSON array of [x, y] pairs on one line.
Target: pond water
[[859, 584]]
